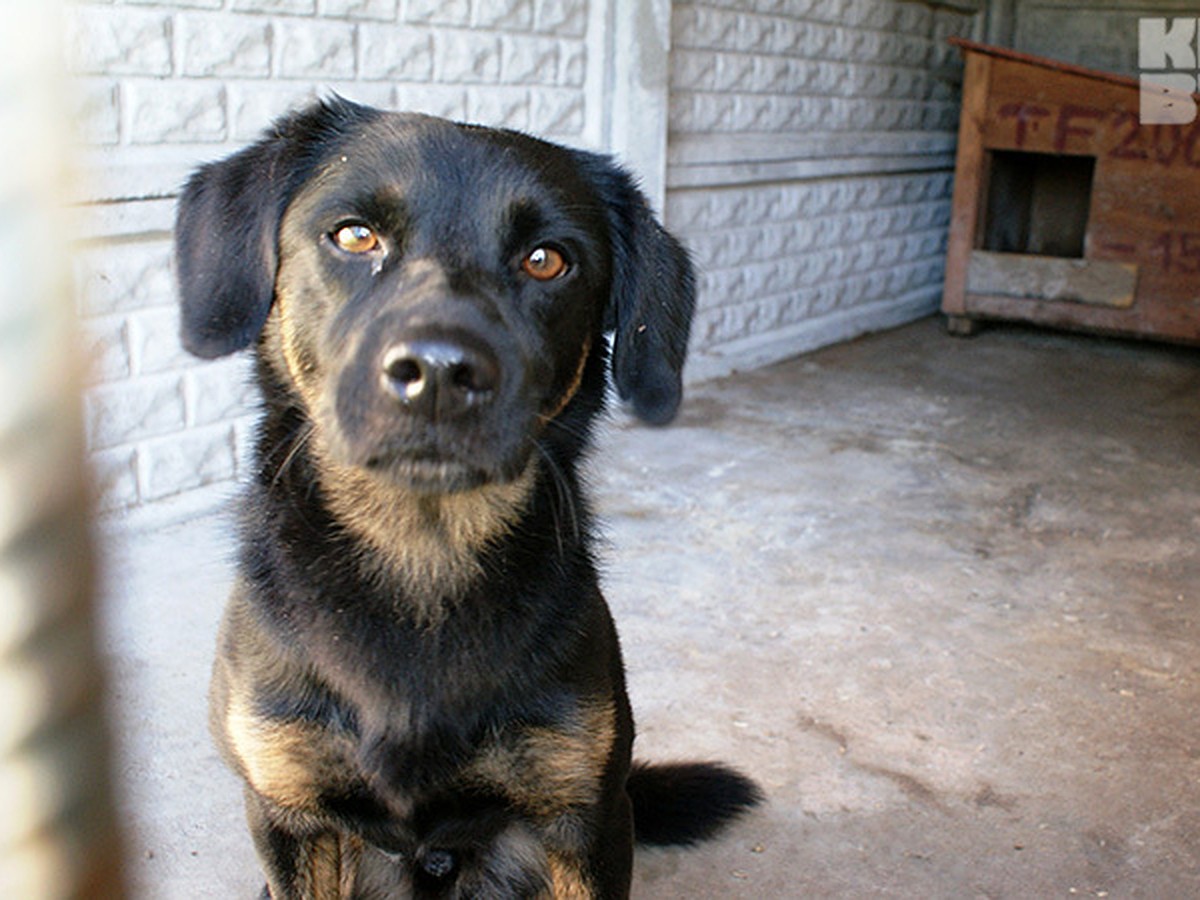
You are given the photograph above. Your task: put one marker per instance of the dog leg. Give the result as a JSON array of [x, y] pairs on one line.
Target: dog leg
[[320, 866], [610, 859]]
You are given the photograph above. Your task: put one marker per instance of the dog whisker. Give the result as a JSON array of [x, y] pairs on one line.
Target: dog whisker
[[297, 441], [563, 499]]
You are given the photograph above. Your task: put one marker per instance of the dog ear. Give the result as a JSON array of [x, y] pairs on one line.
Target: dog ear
[[227, 225], [652, 300]]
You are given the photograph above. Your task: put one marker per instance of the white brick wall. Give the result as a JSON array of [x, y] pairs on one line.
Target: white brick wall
[[809, 167], [205, 76], [157, 423], [780, 256]]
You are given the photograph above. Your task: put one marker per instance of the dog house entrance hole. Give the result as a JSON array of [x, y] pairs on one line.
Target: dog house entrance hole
[[1038, 203]]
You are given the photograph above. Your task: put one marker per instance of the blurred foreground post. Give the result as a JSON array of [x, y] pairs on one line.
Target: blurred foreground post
[[57, 832]]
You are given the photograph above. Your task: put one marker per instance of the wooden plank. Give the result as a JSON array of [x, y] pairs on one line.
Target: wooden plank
[[1044, 62], [1096, 282], [1171, 323], [961, 326], [970, 181]]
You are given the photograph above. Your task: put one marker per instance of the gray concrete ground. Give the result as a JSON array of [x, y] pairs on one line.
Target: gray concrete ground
[[942, 597]]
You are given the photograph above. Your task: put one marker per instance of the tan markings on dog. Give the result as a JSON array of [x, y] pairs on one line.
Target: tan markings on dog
[[283, 760], [328, 868], [573, 387], [568, 879], [430, 543], [284, 331], [549, 771]]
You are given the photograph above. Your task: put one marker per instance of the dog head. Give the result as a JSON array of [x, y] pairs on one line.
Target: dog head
[[433, 293]]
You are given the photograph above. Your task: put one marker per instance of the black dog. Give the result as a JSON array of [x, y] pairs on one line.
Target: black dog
[[417, 676]]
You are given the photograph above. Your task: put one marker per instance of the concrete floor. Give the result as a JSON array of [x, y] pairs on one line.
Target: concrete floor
[[941, 597]]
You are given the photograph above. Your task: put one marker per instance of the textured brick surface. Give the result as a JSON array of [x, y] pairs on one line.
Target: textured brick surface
[[118, 278], [506, 15], [96, 112], [177, 4], [315, 49], [773, 256], [106, 341], [184, 73], [219, 392], [383, 10], [199, 457], [558, 113], [823, 81], [467, 56], [563, 17], [123, 412], [166, 112], [220, 45], [253, 105], [396, 53], [114, 474], [116, 41], [297, 7], [740, 70], [438, 12], [154, 341]]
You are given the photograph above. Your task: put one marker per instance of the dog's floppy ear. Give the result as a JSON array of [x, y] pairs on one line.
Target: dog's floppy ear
[[653, 296], [227, 225]]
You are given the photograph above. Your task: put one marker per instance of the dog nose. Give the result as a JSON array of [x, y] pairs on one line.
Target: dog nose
[[440, 377]]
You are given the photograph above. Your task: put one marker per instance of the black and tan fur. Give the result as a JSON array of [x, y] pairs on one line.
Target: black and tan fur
[[417, 676]]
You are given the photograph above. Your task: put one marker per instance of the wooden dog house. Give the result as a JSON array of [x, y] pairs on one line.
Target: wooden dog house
[[1067, 210]]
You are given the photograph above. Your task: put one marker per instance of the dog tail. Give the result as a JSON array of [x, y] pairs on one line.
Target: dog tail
[[679, 804]]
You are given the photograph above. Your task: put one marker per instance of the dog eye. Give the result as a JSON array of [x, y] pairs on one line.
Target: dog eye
[[355, 238], [544, 263]]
